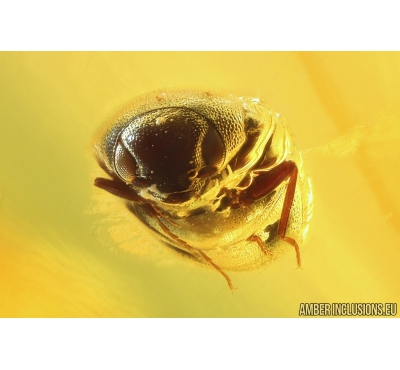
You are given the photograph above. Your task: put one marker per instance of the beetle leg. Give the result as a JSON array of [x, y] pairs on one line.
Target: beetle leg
[[153, 214], [264, 184], [258, 240], [165, 217], [118, 188]]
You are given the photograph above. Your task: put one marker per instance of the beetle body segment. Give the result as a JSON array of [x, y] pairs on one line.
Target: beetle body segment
[[215, 177]]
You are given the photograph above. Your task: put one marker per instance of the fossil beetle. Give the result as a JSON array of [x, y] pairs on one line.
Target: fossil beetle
[[215, 177]]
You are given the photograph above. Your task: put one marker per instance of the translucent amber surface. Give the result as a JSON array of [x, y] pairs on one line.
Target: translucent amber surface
[[67, 249]]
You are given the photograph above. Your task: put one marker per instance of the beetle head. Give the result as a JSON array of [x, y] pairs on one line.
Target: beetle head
[[167, 152]]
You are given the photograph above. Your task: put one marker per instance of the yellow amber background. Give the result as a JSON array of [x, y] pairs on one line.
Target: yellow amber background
[[68, 250]]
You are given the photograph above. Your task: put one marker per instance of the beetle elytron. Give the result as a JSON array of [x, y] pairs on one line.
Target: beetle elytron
[[215, 177]]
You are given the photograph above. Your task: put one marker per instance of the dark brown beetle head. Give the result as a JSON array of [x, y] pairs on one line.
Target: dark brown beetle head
[[169, 145], [168, 149]]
